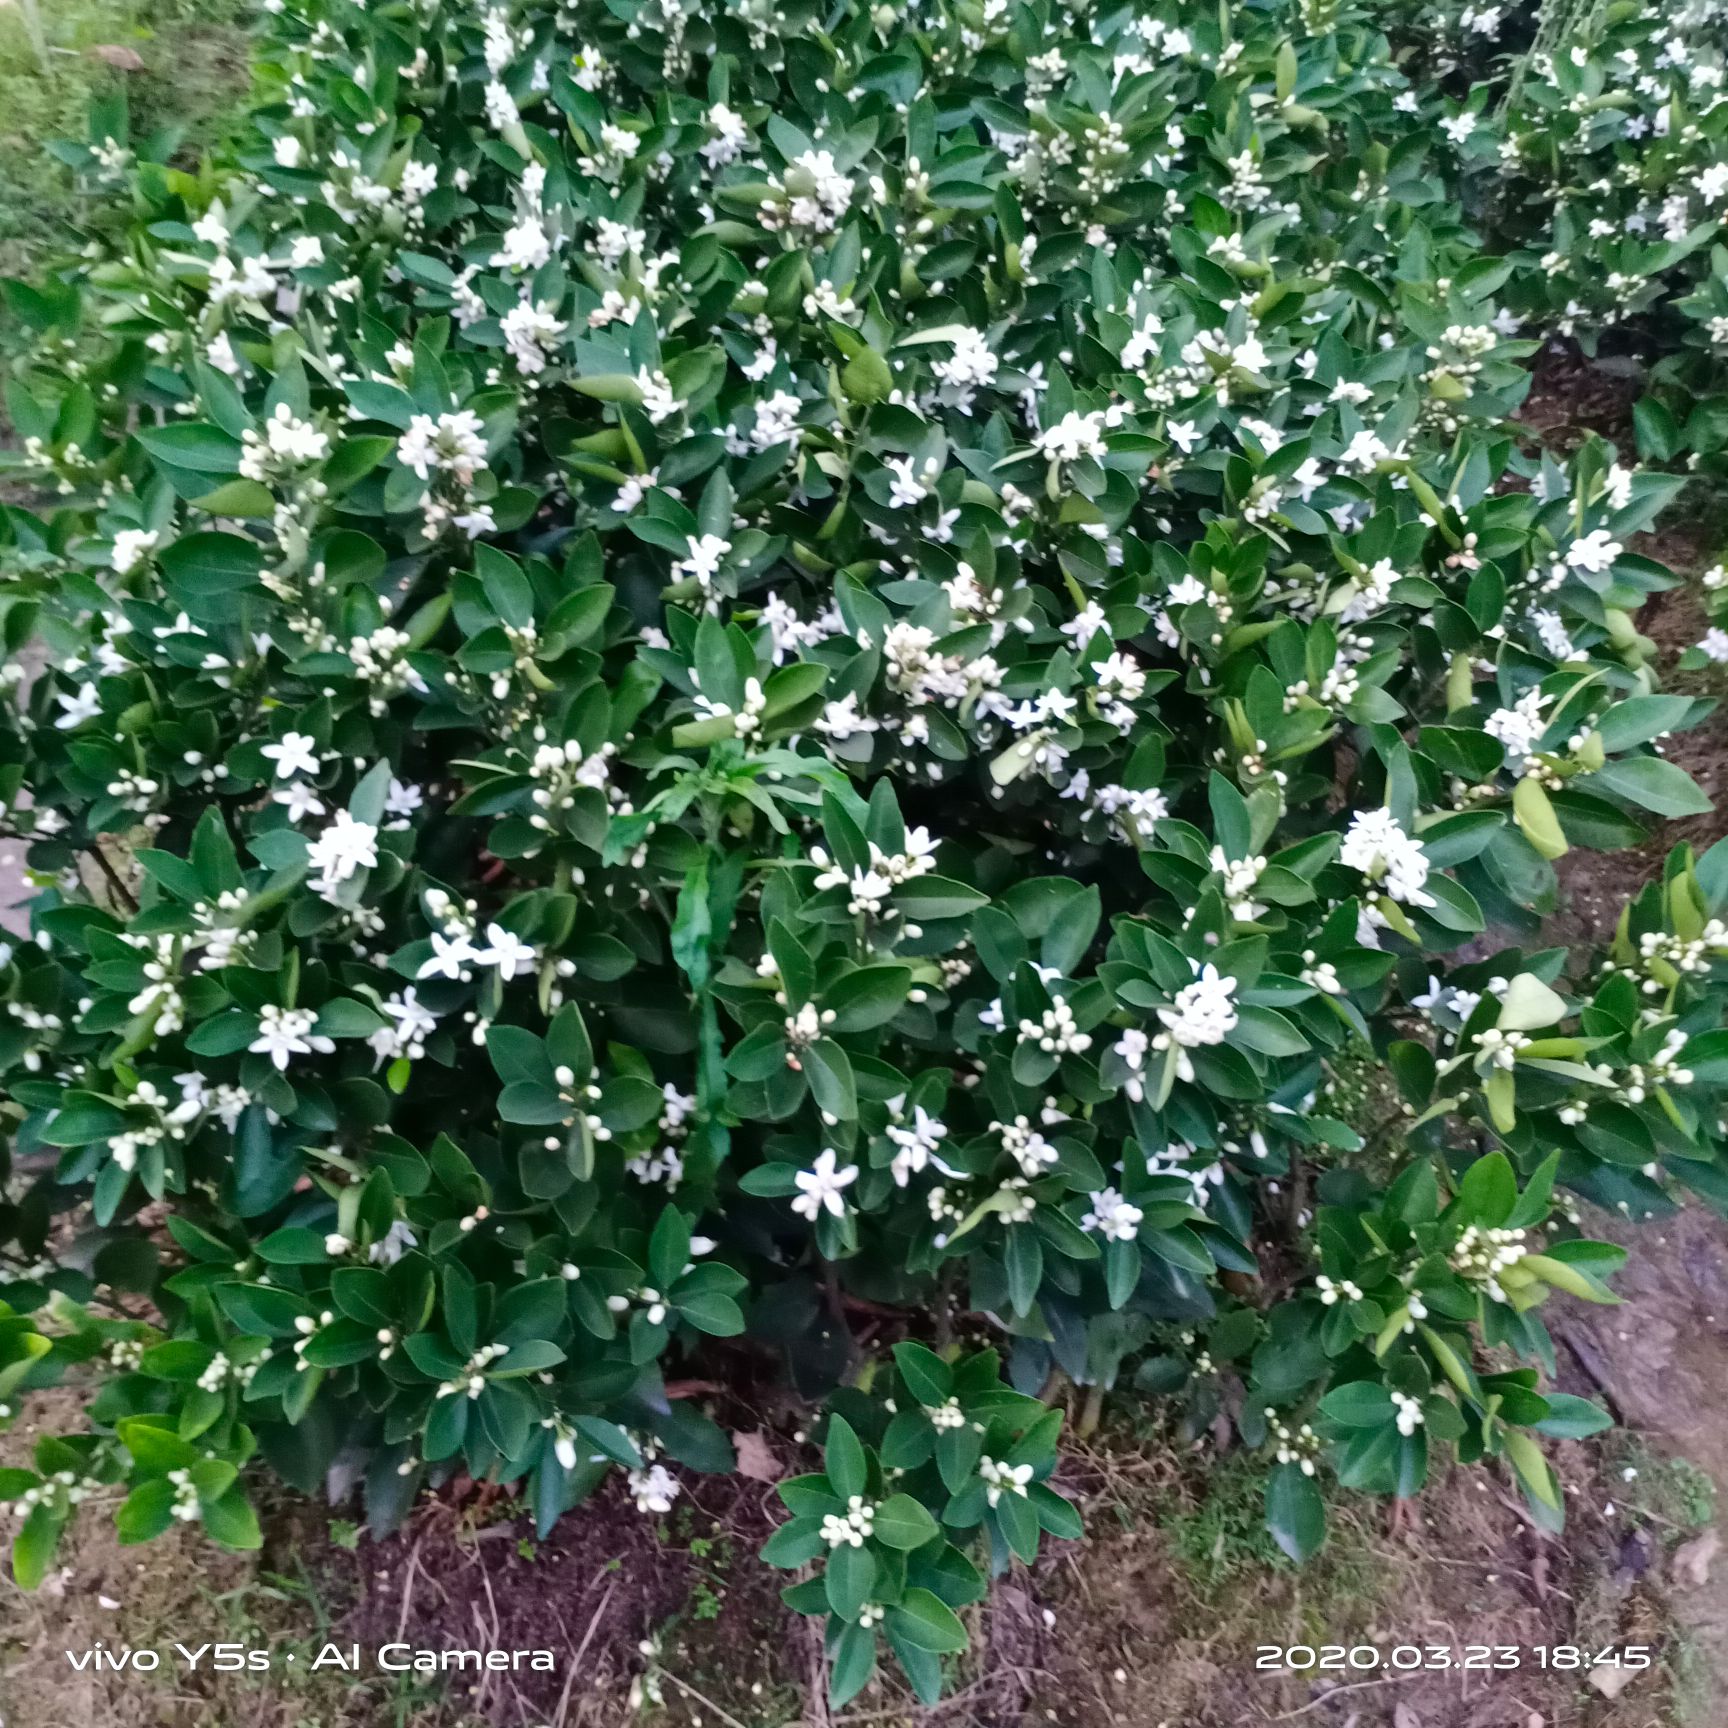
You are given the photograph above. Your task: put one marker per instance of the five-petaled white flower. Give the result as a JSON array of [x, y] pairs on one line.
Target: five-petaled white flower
[[295, 753], [505, 950], [285, 1032], [823, 1185]]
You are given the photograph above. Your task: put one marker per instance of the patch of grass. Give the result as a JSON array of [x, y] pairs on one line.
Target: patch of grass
[[181, 64], [1218, 1539], [1671, 1490], [1221, 1535]]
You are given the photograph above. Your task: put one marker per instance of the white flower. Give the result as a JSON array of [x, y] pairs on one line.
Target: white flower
[[906, 490], [449, 955], [823, 1186], [528, 334], [703, 560], [1595, 551], [212, 227], [1000, 1479], [974, 364], [917, 1144], [1112, 1217], [653, 1489], [287, 150], [841, 720], [1203, 1012], [297, 753], [730, 136], [1518, 728], [285, 1032], [658, 401], [300, 800], [505, 950], [1073, 436], [131, 547], [453, 443], [390, 1247], [501, 109], [776, 421], [1378, 846], [345, 847], [412, 1023]]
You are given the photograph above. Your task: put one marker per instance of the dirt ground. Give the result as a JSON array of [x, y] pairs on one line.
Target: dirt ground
[[1151, 1622]]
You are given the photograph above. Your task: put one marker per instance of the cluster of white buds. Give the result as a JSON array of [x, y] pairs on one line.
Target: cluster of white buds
[[1409, 1409], [225, 941], [1056, 1032], [1334, 1291], [135, 791], [1000, 1479], [1483, 1254], [804, 1028], [948, 1414], [63, 1487], [1025, 1145], [307, 1327], [221, 1371], [1320, 974], [1414, 1309], [1659, 948], [650, 1301], [851, 1529], [745, 719], [1663, 1069], [1298, 1446], [380, 661], [1018, 1203], [471, 1380], [125, 1354], [185, 1506], [1499, 1049]]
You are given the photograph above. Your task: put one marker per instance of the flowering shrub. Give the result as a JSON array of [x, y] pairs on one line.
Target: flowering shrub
[[1594, 140], [702, 670]]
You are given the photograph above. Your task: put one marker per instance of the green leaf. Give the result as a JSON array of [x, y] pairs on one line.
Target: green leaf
[[1295, 1514], [852, 1660], [843, 1459], [902, 1522], [929, 1379], [1652, 784], [923, 1619], [829, 1071], [1572, 1418], [203, 448], [212, 563], [1488, 1191], [231, 1521], [34, 1546], [850, 1579], [146, 1512]]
